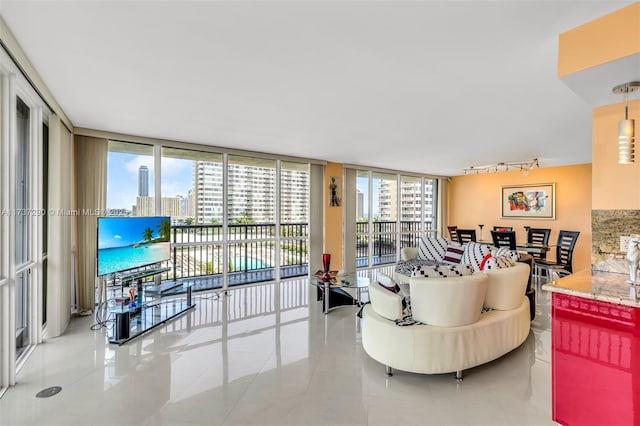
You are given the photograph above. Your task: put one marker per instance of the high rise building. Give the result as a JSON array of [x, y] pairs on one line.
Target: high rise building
[[359, 204], [251, 192], [145, 206], [410, 199], [207, 196], [143, 181], [294, 194], [388, 200], [171, 206]]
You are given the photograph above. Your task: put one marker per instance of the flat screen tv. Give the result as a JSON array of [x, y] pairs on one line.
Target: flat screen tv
[[131, 242]]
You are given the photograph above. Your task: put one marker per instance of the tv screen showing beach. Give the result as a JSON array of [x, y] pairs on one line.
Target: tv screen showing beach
[[130, 242]]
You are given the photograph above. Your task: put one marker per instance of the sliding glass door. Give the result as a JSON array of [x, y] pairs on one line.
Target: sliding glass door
[[392, 212]]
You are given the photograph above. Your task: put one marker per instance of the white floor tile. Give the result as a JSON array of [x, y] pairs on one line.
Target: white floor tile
[[231, 363]]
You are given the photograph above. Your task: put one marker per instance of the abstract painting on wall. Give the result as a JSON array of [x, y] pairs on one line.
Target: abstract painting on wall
[[528, 201]]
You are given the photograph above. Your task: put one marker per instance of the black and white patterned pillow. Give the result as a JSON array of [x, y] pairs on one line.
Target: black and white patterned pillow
[[453, 254], [388, 283], [498, 262], [442, 271], [474, 253], [432, 248], [504, 251], [460, 270]]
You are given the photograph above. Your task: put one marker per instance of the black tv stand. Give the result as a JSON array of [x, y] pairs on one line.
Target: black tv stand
[[147, 315]]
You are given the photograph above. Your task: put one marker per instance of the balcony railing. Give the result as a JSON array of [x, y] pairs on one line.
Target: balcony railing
[[197, 251], [384, 240]]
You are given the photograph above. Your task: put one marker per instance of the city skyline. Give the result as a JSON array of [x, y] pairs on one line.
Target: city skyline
[[133, 174]]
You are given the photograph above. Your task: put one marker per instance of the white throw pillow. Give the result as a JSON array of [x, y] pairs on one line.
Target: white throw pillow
[[504, 251], [432, 248], [498, 262], [474, 253], [441, 271]]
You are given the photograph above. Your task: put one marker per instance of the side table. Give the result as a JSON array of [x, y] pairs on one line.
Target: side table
[[345, 291]]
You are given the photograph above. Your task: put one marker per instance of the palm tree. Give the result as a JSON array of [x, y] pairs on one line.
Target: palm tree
[[147, 234], [165, 229]]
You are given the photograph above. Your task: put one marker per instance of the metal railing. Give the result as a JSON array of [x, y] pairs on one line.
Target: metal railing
[[197, 250], [385, 236]]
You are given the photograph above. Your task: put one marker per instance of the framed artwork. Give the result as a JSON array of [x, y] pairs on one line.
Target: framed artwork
[[335, 197], [537, 201]]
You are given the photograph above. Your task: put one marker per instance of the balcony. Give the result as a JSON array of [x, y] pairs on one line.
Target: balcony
[[198, 253]]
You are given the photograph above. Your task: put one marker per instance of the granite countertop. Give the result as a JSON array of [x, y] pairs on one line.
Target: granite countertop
[[604, 286]]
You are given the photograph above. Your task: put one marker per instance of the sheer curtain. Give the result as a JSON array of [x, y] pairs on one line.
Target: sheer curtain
[[91, 192]]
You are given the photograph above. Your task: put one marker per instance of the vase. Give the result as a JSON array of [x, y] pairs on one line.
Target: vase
[[326, 262]]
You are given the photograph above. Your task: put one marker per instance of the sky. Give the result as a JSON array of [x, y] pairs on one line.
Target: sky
[[124, 231], [122, 178]]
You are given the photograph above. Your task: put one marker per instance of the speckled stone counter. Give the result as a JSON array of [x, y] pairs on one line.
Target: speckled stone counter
[[594, 285]]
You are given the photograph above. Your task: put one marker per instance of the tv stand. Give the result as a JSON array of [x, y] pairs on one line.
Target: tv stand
[[132, 322]]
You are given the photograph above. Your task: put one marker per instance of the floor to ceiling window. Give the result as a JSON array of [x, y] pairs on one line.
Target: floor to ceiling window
[[392, 212], [236, 219], [22, 226], [191, 186]]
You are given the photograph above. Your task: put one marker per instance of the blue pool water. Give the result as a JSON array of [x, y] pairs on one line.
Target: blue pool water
[[252, 263], [123, 258]]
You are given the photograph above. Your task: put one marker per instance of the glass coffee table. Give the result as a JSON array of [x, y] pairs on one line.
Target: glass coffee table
[[342, 291]]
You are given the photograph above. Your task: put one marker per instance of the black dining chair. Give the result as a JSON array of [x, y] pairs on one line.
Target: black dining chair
[[466, 235], [540, 237], [453, 235], [563, 265], [504, 239]]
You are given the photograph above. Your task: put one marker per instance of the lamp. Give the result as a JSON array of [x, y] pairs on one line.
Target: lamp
[[626, 127]]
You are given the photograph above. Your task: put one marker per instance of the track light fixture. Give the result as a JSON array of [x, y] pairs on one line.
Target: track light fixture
[[626, 127], [503, 167]]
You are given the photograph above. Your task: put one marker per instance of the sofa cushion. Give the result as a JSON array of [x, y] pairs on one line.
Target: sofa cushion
[[432, 248], [506, 287], [387, 304], [453, 254], [448, 302], [442, 271], [474, 253]]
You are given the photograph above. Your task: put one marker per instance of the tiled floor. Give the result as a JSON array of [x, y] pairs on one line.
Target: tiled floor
[[266, 355]]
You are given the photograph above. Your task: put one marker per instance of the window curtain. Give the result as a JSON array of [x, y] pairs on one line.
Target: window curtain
[[91, 193]]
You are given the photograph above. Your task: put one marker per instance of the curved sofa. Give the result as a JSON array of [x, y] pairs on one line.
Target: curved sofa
[[454, 334]]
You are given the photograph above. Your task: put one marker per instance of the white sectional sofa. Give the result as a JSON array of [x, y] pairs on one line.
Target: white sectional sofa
[[453, 335]]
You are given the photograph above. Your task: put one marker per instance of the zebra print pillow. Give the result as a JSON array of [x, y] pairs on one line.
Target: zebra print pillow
[[432, 248]]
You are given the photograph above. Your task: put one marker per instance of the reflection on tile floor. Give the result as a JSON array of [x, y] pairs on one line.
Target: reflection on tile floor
[[266, 355]]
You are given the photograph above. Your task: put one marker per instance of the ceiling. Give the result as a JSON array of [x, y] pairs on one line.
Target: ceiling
[[422, 86]]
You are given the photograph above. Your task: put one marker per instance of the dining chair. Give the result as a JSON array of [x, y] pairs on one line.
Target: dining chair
[[539, 236], [453, 235], [504, 239], [503, 228], [466, 235], [563, 265]]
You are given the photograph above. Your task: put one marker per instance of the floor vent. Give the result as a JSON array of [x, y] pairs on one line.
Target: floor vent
[[46, 393]]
